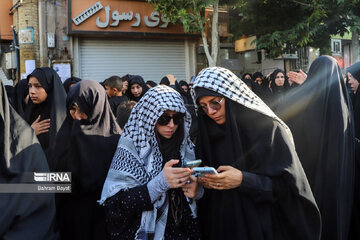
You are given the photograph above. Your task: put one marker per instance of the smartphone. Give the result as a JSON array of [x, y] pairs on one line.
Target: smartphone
[[192, 163], [201, 171]]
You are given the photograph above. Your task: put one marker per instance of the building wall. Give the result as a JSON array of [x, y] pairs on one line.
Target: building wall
[[26, 17], [44, 17], [5, 20]]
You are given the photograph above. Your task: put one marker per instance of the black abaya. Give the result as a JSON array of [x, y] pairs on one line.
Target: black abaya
[[274, 200], [355, 221], [318, 113], [92, 144], [23, 215], [53, 108]]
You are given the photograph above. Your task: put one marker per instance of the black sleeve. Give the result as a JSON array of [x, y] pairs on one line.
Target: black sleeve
[[123, 210], [258, 186]]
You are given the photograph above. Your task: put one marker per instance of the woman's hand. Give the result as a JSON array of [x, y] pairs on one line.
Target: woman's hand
[[228, 178], [171, 78], [298, 78], [40, 126], [190, 189], [176, 176]]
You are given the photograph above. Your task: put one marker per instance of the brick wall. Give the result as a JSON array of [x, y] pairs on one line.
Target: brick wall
[[26, 16]]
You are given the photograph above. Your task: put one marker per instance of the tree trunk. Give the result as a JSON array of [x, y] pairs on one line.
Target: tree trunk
[[215, 33], [354, 47], [206, 49]]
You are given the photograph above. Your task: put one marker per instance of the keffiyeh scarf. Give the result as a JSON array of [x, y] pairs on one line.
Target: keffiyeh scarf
[[138, 158], [223, 81]]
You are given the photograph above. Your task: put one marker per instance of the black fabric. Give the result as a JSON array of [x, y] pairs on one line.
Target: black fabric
[[355, 222], [318, 113], [69, 81], [262, 90], [151, 83], [123, 215], [53, 108], [165, 81], [115, 102], [278, 92], [354, 70], [88, 154], [139, 80], [10, 93], [23, 215], [170, 149], [201, 92], [20, 92], [256, 144]]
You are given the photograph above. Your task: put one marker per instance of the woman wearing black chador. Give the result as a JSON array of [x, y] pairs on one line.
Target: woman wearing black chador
[[46, 110]]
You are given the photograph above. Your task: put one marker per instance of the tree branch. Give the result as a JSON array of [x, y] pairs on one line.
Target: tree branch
[[301, 3]]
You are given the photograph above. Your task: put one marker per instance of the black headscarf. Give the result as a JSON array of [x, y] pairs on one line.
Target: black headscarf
[[255, 141], [355, 71], [139, 80], [247, 81], [318, 113], [23, 215], [262, 90], [20, 92], [355, 223], [53, 107], [151, 83], [92, 144], [278, 92], [69, 81]]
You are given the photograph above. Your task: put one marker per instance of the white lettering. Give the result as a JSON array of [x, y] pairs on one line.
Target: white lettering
[[106, 23], [155, 20]]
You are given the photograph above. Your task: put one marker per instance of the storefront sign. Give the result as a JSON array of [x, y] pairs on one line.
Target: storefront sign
[[152, 21], [120, 17]]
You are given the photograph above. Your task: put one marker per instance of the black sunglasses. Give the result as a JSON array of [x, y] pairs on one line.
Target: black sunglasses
[[165, 119]]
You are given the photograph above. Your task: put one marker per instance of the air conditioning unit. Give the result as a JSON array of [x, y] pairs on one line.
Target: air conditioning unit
[[336, 46]]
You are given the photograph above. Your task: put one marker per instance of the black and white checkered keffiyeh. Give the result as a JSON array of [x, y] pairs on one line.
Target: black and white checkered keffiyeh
[[138, 158], [223, 81]]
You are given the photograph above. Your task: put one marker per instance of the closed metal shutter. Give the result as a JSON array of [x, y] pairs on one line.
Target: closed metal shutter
[[100, 59]]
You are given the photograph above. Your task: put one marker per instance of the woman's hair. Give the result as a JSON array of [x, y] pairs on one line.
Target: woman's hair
[[123, 112], [183, 83], [151, 83]]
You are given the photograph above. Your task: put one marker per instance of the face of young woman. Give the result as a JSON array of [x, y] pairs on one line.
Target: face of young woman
[[76, 113], [354, 84], [258, 80], [247, 76], [36, 92], [167, 131], [208, 103], [280, 79], [136, 90], [185, 88]]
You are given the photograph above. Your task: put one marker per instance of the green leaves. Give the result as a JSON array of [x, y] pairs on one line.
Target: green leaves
[[283, 26]]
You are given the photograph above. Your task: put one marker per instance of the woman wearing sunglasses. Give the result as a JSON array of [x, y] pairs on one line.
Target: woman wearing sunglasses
[[260, 191], [147, 194]]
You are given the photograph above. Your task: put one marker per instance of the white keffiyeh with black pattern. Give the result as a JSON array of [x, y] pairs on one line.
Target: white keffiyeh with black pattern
[[226, 83], [138, 158]]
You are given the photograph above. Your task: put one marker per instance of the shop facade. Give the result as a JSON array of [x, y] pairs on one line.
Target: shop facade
[[127, 37]]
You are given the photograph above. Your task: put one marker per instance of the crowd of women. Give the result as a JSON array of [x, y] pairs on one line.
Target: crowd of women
[[286, 155]]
